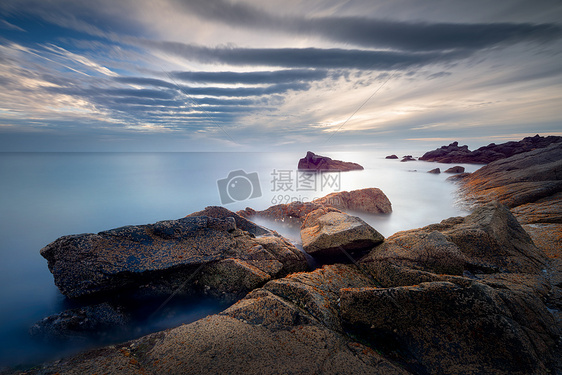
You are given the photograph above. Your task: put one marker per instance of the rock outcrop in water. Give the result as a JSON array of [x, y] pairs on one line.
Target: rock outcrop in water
[[323, 163], [192, 255], [369, 200], [469, 295], [463, 296], [454, 153]]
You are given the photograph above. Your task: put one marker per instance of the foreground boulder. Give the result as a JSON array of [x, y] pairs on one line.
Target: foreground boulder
[[331, 235], [445, 327], [187, 256], [453, 153], [489, 240], [323, 163]]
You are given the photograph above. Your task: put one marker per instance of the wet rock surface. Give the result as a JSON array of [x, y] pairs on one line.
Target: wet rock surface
[[323, 163]]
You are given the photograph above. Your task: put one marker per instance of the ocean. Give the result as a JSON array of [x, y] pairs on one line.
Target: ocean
[[47, 195]]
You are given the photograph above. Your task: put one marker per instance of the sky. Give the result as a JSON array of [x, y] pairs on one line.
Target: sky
[[225, 75]]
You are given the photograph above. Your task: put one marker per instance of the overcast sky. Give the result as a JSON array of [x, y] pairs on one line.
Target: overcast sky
[[221, 75]]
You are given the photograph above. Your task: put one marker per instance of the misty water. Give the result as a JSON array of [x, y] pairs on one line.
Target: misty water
[[48, 195]]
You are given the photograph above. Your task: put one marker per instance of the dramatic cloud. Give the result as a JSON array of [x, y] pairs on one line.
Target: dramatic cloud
[[377, 33], [285, 73], [334, 58]]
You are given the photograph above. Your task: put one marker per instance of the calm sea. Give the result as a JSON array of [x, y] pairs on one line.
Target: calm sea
[[47, 195]]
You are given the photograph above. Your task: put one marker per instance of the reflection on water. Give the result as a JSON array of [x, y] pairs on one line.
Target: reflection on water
[[48, 195]]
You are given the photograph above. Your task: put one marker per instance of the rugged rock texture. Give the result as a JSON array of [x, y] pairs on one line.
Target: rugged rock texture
[[454, 153], [193, 254], [385, 315], [455, 169], [531, 185], [330, 236], [444, 327], [520, 179], [323, 163], [370, 200]]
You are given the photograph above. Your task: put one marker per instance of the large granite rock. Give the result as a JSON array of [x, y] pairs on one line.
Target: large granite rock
[[323, 163], [453, 153], [531, 185], [189, 255], [369, 200], [453, 327], [520, 179], [489, 240], [330, 235]]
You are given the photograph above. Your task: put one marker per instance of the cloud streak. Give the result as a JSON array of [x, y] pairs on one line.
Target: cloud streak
[[377, 33]]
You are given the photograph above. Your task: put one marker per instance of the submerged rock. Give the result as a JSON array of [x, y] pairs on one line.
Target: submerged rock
[[323, 163], [331, 236], [169, 257], [80, 324]]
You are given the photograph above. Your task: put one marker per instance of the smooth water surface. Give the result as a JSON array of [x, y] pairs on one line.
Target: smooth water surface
[[47, 195]]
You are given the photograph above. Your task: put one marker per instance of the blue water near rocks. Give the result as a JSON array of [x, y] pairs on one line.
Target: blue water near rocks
[[47, 195]]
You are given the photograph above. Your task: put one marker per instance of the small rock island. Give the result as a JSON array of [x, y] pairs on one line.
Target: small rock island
[[323, 163]]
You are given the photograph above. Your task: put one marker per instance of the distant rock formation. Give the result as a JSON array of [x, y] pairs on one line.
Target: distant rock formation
[[408, 158], [391, 157], [323, 163], [454, 153], [455, 169], [435, 171]]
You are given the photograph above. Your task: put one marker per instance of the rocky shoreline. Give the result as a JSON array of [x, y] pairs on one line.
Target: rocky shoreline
[[474, 294]]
